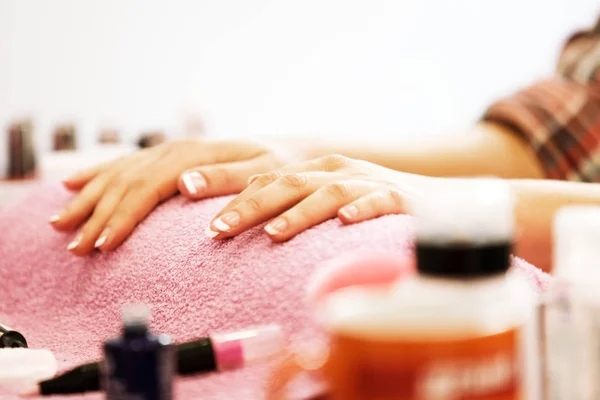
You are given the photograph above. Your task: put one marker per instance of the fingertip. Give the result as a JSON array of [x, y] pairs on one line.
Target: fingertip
[[60, 225], [277, 235], [279, 239], [72, 186], [63, 222], [54, 219], [113, 236], [211, 233], [102, 240], [192, 184], [348, 214], [344, 218], [74, 182], [78, 245], [181, 187], [68, 182]]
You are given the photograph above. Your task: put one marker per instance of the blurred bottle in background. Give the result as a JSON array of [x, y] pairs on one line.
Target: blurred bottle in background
[[109, 136], [22, 160], [151, 139], [64, 137]]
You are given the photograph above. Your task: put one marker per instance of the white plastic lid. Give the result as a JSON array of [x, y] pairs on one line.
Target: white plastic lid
[[135, 314], [577, 244], [477, 210], [22, 368]]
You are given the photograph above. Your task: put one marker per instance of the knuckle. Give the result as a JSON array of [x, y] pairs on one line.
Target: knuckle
[[338, 190], [295, 181], [142, 188], [333, 162], [118, 181], [266, 179], [253, 205], [123, 217], [377, 200], [138, 183]]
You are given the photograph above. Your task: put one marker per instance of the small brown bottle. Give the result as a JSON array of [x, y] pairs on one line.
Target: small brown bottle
[[21, 150], [65, 137]]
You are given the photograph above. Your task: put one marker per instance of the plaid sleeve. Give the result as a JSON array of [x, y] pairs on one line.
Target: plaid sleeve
[[560, 117]]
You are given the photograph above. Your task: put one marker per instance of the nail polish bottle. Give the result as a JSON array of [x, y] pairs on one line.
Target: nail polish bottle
[[151, 139], [21, 151], [138, 365], [65, 137], [109, 136]]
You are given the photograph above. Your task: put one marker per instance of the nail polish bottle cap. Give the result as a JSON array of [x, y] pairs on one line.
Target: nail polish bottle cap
[[22, 368], [474, 211], [465, 230], [135, 314]]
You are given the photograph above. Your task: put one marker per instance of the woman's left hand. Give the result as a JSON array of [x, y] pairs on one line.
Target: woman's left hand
[[302, 195]]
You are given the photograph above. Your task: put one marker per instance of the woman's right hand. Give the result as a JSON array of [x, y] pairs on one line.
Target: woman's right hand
[[115, 196]]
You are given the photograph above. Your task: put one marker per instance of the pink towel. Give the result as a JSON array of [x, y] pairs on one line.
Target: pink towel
[[195, 285]]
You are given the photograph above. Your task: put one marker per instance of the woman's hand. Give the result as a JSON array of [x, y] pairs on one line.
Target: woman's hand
[[114, 197], [305, 194]]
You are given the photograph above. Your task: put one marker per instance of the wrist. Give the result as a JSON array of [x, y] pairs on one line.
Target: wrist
[[537, 204]]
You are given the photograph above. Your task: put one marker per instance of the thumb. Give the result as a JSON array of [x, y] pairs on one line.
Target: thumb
[[220, 179]]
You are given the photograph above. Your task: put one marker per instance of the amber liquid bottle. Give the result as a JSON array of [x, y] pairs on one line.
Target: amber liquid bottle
[[463, 327]]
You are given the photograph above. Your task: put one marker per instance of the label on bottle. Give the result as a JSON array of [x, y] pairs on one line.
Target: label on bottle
[[487, 367]]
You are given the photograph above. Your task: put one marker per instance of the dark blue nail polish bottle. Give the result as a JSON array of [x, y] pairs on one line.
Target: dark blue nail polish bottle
[[138, 365]]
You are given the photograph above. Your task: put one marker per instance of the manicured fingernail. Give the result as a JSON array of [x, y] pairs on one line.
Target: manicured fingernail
[[275, 227], [210, 233], [102, 239], [75, 242], [194, 182], [349, 212], [54, 218], [227, 221]]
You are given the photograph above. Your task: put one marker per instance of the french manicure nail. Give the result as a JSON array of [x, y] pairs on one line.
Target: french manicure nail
[[54, 218], [102, 239], [227, 221], [210, 233], [276, 226], [349, 211], [220, 225], [194, 182], [74, 243]]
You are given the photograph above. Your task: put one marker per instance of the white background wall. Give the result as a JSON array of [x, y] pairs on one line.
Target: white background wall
[[336, 67]]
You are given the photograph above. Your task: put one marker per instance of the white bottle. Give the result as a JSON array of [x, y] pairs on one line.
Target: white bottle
[[465, 321], [572, 315]]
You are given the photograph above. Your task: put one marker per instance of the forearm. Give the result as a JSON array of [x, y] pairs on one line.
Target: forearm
[[487, 149], [538, 202]]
